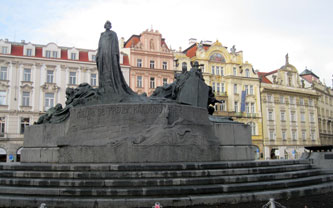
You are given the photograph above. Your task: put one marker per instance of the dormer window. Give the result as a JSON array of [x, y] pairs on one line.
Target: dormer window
[[54, 54], [48, 54], [4, 50], [73, 56], [247, 73], [29, 52]]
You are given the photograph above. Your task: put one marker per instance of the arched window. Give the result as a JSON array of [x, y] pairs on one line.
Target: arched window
[[3, 155], [253, 128], [184, 66], [18, 154], [247, 73]]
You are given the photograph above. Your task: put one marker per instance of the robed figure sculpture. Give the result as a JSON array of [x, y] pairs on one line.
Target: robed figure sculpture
[[111, 79]]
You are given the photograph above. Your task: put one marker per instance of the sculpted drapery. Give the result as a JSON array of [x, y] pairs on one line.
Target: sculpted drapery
[[111, 79]]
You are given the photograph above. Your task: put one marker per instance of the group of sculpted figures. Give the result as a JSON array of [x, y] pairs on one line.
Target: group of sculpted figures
[[188, 88]]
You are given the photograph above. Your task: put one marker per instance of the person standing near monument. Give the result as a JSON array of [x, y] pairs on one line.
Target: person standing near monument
[[111, 79]]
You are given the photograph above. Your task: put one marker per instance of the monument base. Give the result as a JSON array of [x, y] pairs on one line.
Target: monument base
[[126, 133]]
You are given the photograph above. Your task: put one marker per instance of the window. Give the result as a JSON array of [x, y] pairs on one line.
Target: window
[[49, 76], [251, 90], [281, 99], [284, 136], [218, 87], [152, 82], [213, 69], [253, 108], [139, 81], [4, 50], [184, 65], [24, 123], [236, 106], [213, 86], [25, 98], [247, 107], [217, 70], [54, 54], [2, 126], [303, 135], [93, 57], [3, 73], [269, 98], [202, 68], [29, 52], [302, 117], [313, 136], [271, 134], [283, 116], [222, 87], [235, 88], [165, 65], [93, 79], [293, 116], [222, 71], [235, 71], [48, 54], [222, 107], [3, 95], [152, 64], [72, 78], [301, 101], [49, 101], [292, 100], [246, 89], [73, 56], [139, 63], [253, 128], [270, 115], [311, 117], [165, 81], [294, 134], [27, 75], [247, 73]]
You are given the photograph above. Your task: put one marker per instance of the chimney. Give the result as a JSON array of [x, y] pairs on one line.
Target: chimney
[[192, 40], [6, 40], [23, 41]]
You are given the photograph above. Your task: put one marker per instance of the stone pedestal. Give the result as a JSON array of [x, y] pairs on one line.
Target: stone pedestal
[[125, 133]]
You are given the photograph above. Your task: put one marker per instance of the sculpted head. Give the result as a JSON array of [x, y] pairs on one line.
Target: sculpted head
[[107, 25]]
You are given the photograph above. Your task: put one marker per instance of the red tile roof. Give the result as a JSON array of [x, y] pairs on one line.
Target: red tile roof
[[39, 52], [133, 40], [64, 54], [83, 56], [126, 60], [17, 50], [191, 51]]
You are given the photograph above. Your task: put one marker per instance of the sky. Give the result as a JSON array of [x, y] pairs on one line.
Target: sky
[[265, 30]]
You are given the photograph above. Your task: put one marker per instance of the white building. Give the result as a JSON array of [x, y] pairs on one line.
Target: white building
[[34, 78]]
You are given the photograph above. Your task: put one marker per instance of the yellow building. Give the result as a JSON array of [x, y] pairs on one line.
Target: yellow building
[[289, 113], [232, 80], [324, 107]]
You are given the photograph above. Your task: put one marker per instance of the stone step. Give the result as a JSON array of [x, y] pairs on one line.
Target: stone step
[[165, 190], [46, 182], [151, 174], [147, 166], [176, 201]]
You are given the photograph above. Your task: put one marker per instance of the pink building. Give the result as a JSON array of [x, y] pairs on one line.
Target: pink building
[[151, 62]]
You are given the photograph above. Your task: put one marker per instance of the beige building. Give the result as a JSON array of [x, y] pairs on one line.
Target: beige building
[[232, 80], [324, 107], [289, 112], [151, 61], [34, 78]]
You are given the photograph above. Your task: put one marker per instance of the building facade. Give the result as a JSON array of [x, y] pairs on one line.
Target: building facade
[[289, 112], [33, 78], [151, 62], [232, 80], [324, 107]]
